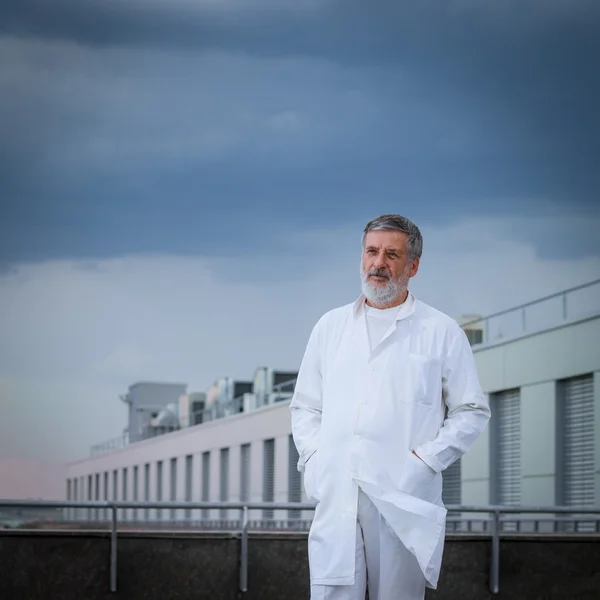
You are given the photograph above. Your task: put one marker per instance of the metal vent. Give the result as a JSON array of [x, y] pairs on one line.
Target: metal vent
[[578, 441], [451, 491], [507, 447]]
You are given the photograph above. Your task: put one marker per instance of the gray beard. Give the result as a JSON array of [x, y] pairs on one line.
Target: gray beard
[[383, 294]]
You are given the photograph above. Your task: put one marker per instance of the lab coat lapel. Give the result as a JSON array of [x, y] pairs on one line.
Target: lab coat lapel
[[405, 312], [359, 342]]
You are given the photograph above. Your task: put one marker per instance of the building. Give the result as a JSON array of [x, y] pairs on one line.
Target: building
[[539, 364]]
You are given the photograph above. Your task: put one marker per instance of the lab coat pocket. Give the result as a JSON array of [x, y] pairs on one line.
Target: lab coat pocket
[[311, 478], [424, 379], [420, 480]]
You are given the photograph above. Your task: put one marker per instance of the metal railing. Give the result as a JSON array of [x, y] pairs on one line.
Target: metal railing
[[115, 443], [280, 393], [492, 516], [521, 320]]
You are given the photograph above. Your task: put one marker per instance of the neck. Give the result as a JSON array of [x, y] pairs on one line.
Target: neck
[[397, 302]]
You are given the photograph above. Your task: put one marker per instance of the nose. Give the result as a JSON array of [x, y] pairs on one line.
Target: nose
[[379, 262]]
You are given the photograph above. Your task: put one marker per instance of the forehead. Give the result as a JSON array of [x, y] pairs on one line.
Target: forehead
[[395, 240]]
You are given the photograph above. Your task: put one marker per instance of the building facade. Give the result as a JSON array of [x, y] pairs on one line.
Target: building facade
[[541, 447]]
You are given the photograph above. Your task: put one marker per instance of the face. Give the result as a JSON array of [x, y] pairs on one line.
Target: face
[[386, 267]]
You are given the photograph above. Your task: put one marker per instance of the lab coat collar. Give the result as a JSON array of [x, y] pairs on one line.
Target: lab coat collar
[[406, 309]]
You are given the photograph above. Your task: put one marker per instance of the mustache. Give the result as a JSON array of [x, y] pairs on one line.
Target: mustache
[[379, 273]]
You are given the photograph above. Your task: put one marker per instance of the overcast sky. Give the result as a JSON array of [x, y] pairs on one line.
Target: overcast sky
[[184, 184]]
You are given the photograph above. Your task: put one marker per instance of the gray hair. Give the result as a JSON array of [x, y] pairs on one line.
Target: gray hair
[[414, 243]]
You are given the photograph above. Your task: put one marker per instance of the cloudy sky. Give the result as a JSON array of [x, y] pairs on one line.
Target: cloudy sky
[[184, 183]]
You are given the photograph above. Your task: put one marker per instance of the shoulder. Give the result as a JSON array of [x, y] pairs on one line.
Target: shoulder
[[335, 315], [438, 320], [332, 322]]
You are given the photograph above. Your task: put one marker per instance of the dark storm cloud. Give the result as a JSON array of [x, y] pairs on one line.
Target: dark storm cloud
[[472, 107], [338, 29]]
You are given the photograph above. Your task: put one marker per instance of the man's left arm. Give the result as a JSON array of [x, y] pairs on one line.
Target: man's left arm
[[468, 408]]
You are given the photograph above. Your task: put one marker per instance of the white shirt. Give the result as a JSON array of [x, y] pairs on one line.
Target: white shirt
[[362, 412], [379, 321]]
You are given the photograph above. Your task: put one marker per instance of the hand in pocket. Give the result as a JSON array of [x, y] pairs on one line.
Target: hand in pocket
[[311, 478], [419, 479]]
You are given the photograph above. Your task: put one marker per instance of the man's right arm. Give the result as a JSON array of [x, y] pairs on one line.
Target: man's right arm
[[307, 403]]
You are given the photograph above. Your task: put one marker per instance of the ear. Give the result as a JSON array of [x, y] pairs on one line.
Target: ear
[[414, 267]]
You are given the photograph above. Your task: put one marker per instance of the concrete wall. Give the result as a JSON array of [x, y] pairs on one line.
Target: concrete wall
[[71, 566], [534, 364]]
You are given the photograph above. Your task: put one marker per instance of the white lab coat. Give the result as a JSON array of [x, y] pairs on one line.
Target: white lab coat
[[357, 416]]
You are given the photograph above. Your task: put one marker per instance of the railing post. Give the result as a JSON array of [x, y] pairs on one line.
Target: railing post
[[244, 552], [564, 305], [113, 549], [495, 566]]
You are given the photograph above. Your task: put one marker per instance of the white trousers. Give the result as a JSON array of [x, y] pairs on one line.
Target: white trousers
[[383, 564]]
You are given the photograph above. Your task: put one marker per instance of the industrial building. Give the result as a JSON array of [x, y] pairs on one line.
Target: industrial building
[[539, 363]]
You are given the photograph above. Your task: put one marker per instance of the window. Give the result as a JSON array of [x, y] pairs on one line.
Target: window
[[115, 485], [97, 494], [205, 481], [105, 494], [173, 486], [136, 491], [245, 473], [268, 476], [159, 481], [124, 491], [189, 462], [69, 498], [294, 479], [506, 448], [224, 488], [76, 496], [147, 489]]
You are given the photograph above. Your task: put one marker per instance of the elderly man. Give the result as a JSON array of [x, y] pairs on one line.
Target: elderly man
[[387, 397]]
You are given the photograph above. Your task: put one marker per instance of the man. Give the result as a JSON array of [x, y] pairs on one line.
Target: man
[[387, 398]]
